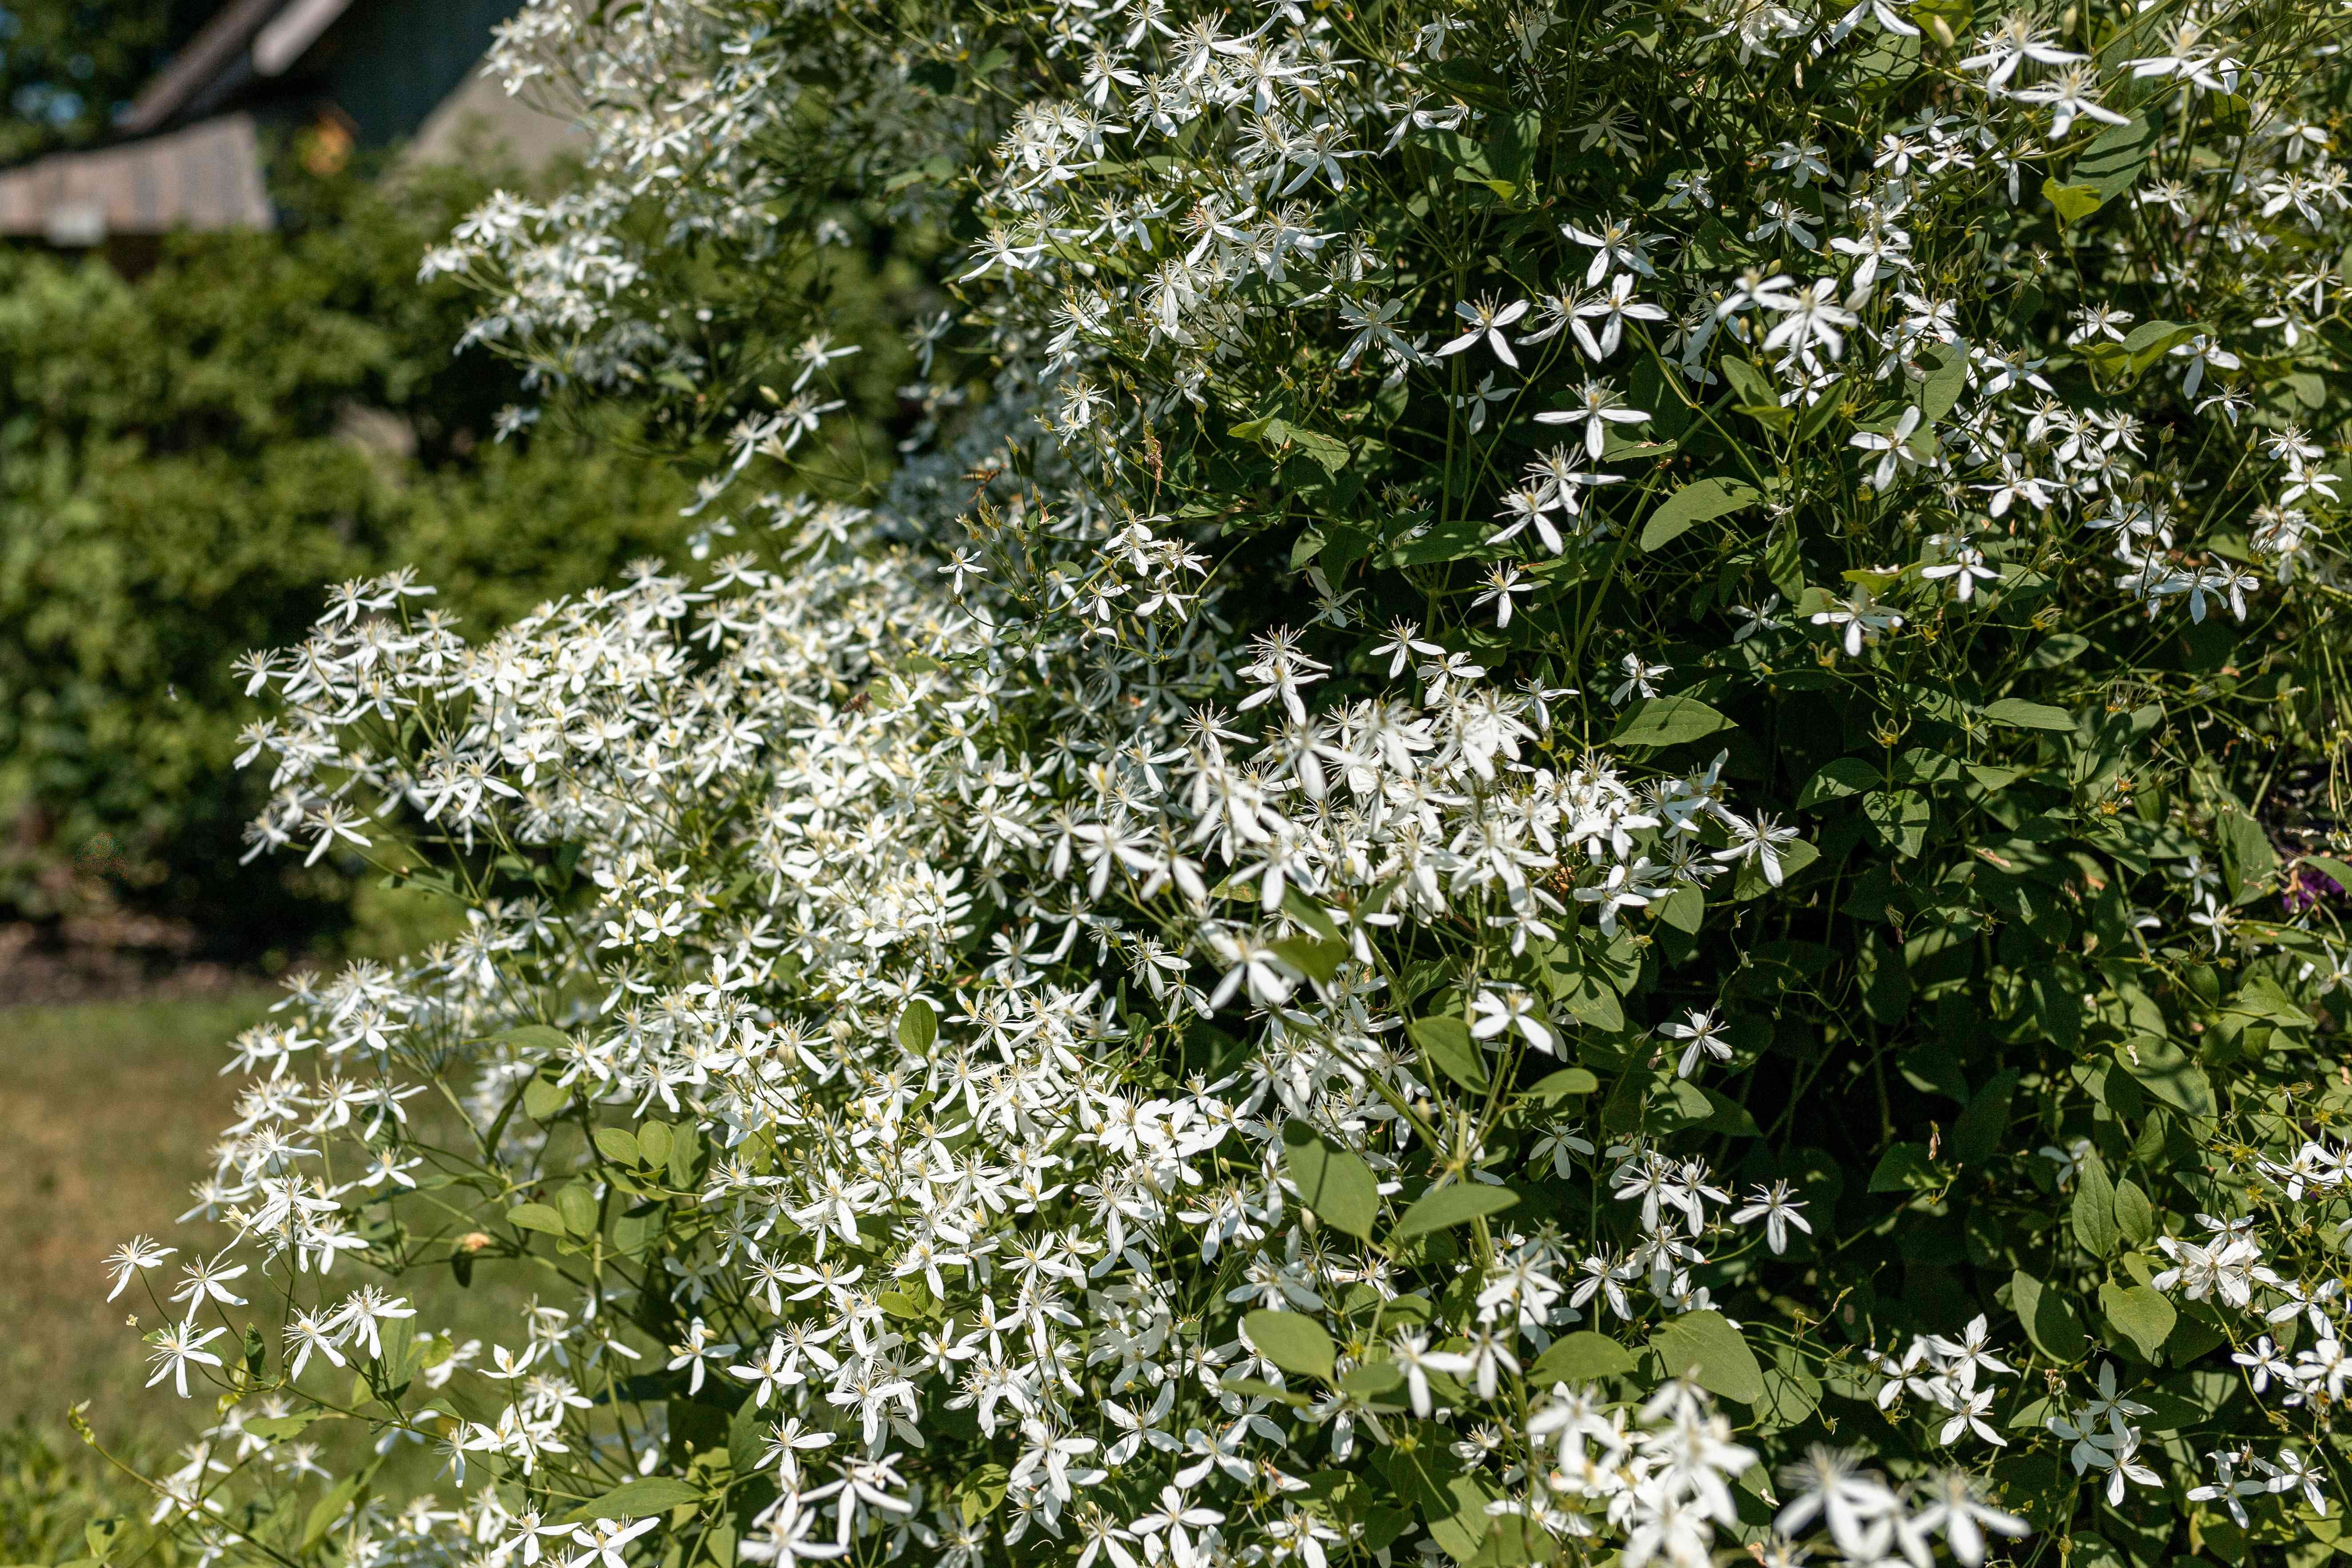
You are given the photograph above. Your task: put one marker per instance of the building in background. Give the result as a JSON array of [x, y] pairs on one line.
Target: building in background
[[352, 74]]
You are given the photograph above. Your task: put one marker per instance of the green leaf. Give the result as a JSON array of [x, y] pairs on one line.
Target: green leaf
[[1327, 450], [617, 1144], [1292, 1340], [1976, 1136], [1552, 1087], [1683, 1105], [1684, 909], [1660, 722], [1727, 1116], [1885, 979], [1449, 1206], [1460, 1524], [2140, 1314], [1447, 1043], [1749, 382], [2167, 1072], [1334, 1184], [637, 1499], [1316, 959], [1791, 1394], [278, 1428], [1511, 1541], [631, 1233], [2050, 1323], [2059, 649], [1704, 1346], [1371, 1380], [536, 1216], [683, 1152], [1904, 1168], [980, 1491], [1695, 503], [1898, 819], [1258, 1388], [1751, 882], [2246, 851], [1580, 1357], [2116, 158], [543, 1098], [1278, 435], [2017, 713], [325, 1511], [106, 1537], [2093, 1209], [1820, 416], [2134, 1216], [918, 1026], [2151, 341], [577, 1208], [2264, 999], [1945, 383], [908, 1306], [747, 1437], [2074, 203], [1310, 914], [1836, 780]]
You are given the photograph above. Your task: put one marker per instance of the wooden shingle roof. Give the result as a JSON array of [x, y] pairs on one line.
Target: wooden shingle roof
[[208, 176]]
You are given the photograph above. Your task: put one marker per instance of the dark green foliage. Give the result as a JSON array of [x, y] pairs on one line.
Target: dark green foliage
[[67, 67], [186, 462]]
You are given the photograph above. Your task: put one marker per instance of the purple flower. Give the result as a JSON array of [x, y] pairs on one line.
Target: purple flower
[[2306, 887]]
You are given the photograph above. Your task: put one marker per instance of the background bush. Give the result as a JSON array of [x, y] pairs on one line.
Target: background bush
[[185, 460]]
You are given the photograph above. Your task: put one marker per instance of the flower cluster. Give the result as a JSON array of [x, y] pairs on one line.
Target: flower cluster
[[1461, 661]]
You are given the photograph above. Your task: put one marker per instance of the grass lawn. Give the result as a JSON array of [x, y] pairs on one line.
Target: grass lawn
[[109, 1114]]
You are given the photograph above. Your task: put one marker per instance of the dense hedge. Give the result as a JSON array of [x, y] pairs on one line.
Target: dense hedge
[[185, 460]]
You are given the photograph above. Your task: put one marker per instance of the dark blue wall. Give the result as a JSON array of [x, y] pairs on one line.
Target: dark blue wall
[[386, 63]]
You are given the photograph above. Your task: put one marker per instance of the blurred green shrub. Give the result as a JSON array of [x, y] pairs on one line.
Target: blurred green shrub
[[50, 1492], [185, 458]]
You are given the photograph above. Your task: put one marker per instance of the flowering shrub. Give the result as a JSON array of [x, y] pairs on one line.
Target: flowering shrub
[[1578, 808]]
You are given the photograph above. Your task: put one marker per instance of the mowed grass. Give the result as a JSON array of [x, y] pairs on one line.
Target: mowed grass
[[108, 1112]]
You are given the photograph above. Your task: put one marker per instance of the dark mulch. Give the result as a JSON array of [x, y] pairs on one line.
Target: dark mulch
[[105, 958]]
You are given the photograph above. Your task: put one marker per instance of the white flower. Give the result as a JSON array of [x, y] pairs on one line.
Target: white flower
[[1499, 1012], [1612, 309], [131, 1259], [1502, 582], [1598, 407], [1759, 842], [179, 1347], [1864, 618], [1894, 448], [1701, 1033], [601, 1541], [1486, 318], [1955, 1507], [1776, 1206], [785, 1537]]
